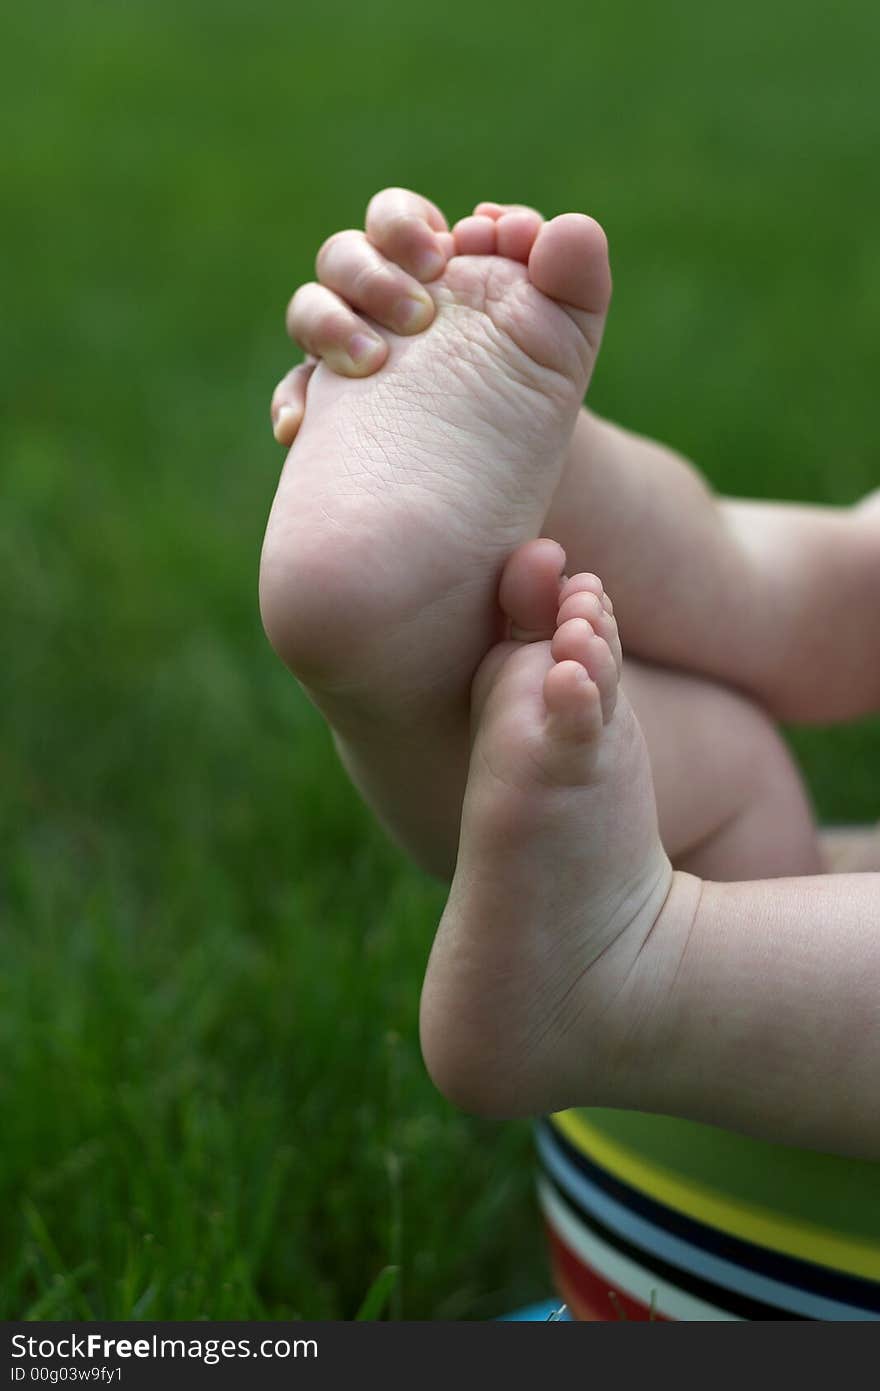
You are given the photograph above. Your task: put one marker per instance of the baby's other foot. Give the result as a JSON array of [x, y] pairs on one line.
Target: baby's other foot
[[527, 1004]]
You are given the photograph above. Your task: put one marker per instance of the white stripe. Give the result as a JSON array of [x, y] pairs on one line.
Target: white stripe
[[686, 1256], [633, 1279]]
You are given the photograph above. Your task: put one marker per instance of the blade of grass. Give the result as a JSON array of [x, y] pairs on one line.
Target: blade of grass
[[378, 1294]]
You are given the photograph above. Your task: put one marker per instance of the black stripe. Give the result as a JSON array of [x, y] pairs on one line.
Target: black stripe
[[800, 1274], [731, 1301]]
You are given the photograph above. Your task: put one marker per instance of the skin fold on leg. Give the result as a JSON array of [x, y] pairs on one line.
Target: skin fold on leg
[[764, 1011]]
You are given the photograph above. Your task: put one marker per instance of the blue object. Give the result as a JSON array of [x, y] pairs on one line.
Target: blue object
[[547, 1311]]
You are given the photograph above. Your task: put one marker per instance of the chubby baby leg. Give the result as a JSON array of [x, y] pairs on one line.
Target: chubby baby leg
[[730, 799], [777, 599]]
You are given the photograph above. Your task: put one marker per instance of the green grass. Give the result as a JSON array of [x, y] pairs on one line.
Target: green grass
[[211, 1094]]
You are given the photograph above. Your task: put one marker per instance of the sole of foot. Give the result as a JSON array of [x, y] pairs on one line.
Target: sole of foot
[[405, 491]]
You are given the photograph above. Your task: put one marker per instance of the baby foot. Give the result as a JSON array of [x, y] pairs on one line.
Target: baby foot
[[424, 476], [528, 1001]]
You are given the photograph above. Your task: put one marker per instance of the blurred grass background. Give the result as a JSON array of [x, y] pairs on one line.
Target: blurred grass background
[[211, 1093]]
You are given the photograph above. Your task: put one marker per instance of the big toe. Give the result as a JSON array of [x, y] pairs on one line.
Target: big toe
[[569, 263], [529, 589]]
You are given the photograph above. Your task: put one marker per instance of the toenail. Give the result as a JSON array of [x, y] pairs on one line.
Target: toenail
[[362, 346], [411, 314], [280, 420]]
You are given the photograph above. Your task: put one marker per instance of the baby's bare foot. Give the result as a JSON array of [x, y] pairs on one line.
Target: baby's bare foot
[[404, 491], [560, 877]]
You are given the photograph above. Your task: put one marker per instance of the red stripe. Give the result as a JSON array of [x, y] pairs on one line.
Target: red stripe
[[590, 1296]]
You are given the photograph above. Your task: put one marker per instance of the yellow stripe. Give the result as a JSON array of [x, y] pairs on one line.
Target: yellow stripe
[[746, 1220]]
